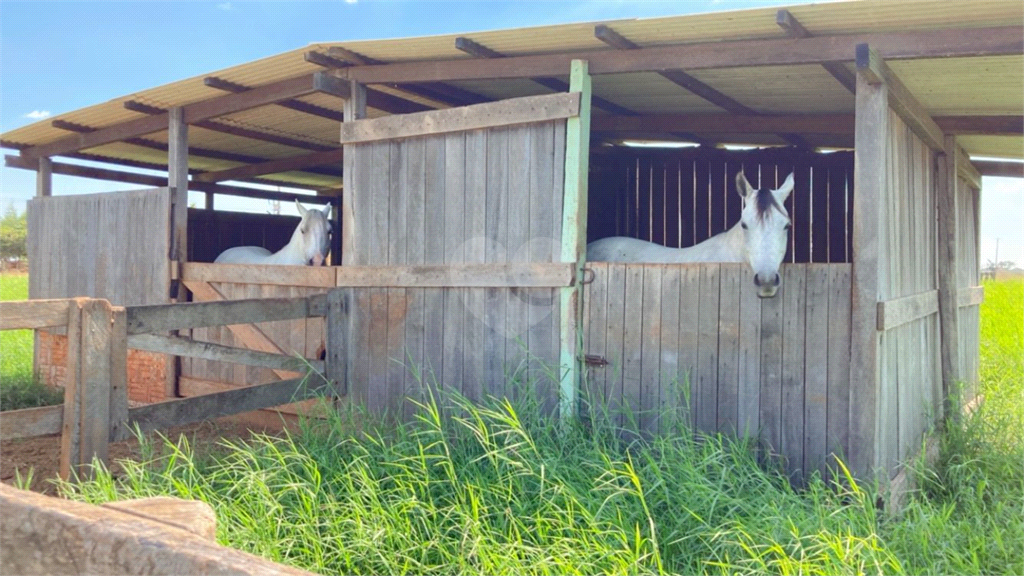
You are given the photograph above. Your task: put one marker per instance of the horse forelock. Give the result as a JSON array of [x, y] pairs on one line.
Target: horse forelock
[[764, 202]]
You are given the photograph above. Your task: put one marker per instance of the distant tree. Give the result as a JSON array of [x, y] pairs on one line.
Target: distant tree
[[13, 231]]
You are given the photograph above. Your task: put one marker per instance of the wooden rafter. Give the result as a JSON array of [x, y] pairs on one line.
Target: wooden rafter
[[161, 182], [691, 84], [478, 50], [192, 150], [995, 41], [795, 29], [874, 69], [290, 103], [1005, 168], [195, 112], [222, 127]]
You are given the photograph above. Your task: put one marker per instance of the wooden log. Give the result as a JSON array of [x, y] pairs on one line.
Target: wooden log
[[31, 422], [191, 515], [488, 115], [207, 407], [34, 525], [33, 314], [899, 311]]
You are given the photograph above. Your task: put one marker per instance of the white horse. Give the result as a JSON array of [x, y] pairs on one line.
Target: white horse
[[310, 243], [759, 239]]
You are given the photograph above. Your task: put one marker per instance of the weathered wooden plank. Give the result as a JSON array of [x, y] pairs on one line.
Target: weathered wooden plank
[[632, 344], [544, 191], [794, 322], [947, 262], [729, 347], [487, 115], [517, 314], [770, 414], [313, 276], [615, 334], [214, 311], [70, 437], [496, 250], [415, 252], [671, 378], [177, 181], [434, 163], [458, 275], [838, 385], [595, 325], [354, 173], [377, 230], [972, 296], [454, 349], [180, 346], [398, 298], [816, 369], [899, 311], [172, 413], [31, 422], [118, 371], [314, 407], [339, 302], [690, 292], [475, 253], [651, 350], [749, 358], [707, 349], [33, 314]]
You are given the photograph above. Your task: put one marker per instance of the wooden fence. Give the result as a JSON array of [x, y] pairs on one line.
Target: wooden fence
[[95, 411], [696, 341]]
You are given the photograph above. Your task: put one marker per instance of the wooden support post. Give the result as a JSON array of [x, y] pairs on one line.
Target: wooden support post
[[949, 350], [871, 137], [574, 239], [338, 301], [118, 372], [209, 201], [44, 177], [355, 109], [177, 180], [70, 434]]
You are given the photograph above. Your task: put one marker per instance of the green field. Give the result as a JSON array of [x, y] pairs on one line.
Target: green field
[[18, 389], [496, 489]]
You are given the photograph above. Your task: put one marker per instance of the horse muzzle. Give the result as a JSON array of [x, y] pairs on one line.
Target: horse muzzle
[[767, 289]]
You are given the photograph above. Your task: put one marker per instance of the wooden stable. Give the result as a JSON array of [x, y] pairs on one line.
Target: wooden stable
[[466, 196]]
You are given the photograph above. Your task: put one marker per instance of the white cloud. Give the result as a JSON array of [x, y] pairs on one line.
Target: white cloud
[[225, 6], [351, 1], [38, 114]]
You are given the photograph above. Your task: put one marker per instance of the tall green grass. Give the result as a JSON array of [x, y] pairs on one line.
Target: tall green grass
[[18, 386], [497, 488]]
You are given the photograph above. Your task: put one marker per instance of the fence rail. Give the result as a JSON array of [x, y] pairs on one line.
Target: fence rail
[[95, 410]]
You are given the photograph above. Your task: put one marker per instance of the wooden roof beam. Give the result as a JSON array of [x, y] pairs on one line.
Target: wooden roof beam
[[995, 41], [876, 71], [192, 150], [478, 50], [339, 57], [216, 126], [195, 112], [1001, 168], [795, 29], [691, 84], [305, 161], [290, 103], [840, 124]]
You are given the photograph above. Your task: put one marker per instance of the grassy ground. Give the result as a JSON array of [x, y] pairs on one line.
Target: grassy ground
[[496, 489], [18, 388]]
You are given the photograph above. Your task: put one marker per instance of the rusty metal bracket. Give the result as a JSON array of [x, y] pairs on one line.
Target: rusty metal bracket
[[585, 279]]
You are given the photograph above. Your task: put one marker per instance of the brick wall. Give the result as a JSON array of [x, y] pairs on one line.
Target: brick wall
[[147, 371]]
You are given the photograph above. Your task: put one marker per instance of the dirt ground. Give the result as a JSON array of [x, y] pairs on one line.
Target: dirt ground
[[42, 454]]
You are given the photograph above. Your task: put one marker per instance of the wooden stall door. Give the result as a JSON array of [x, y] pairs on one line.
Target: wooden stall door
[[480, 191]]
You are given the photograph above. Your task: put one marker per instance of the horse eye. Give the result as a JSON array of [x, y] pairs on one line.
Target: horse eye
[[788, 226], [743, 225]]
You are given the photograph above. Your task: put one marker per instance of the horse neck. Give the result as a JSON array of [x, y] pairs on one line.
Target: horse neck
[[291, 252], [725, 246]]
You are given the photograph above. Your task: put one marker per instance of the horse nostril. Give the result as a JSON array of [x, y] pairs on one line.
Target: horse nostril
[[757, 281], [778, 280]]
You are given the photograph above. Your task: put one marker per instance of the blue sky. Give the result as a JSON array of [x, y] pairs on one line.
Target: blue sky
[[61, 56]]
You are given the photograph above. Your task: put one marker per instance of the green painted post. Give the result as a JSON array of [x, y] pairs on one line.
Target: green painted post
[[574, 237]]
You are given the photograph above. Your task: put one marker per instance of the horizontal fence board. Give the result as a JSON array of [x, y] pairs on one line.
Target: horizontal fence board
[[30, 422], [33, 314], [163, 317], [510, 112], [183, 411], [311, 276], [180, 346], [899, 311], [972, 296], [193, 387], [503, 275]]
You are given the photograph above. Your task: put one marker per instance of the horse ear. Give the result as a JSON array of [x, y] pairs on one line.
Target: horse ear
[[327, 210], [742, 186], [302, 209], [783, 192]]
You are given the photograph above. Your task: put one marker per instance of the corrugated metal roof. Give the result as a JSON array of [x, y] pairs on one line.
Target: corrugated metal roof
[[945, 87]]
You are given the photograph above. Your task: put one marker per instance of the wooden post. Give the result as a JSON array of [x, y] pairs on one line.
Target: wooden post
[[44, 177], [949, 349], [355, 109], [209, 201], [574, 238], [70, 434], [94, 387], [177, 180], [871, 137], [118, 372]]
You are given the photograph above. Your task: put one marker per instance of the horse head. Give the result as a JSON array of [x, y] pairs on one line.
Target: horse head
[[765, 224], [313, 234]]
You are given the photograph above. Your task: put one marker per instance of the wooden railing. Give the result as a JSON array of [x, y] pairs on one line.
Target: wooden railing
[[95, 411]]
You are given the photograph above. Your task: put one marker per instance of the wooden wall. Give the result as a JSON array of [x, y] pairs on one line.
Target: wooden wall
[[480, 196], [694, 339], [683, 197], [113, 245], [968, 267], [910, 382]]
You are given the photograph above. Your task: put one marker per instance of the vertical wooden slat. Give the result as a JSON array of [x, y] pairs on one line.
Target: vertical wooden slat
[[771, 371], [517, 342], [819, 214], [413, 192], [377, 233], [433, 298], [702, 201], [671, 377], [816, 369], [707, 349], [339, 302], [729, 348], [454, 230], [118, 372], [794, 321], [632, 344], [749, 391], [496, 251], [476, 335], [871, 128], [543, 247], [687, 223], [398, 298], [651, 350], [671, 190], [837, 208], [690, 294], [70, 436], [719, 189], [838, 419], [615, 349], [596, 326]]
